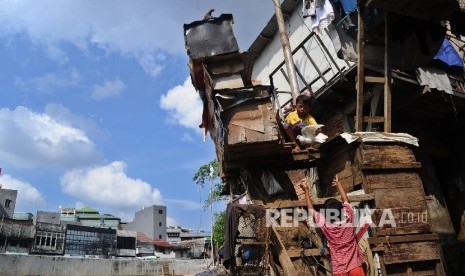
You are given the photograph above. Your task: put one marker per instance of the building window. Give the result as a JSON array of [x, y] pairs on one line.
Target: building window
[[160, 237], [160, 212], [159, 224], [7, 203]]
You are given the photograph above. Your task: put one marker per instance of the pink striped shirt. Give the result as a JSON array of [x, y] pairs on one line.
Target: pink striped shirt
[[345, 254]]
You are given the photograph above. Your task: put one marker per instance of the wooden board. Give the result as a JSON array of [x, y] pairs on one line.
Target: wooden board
[[411, 252], [384, 155], [315, 201], [424, 268], [401, 239], [407, 220], [403, 196], [392, 179], [251, 122], [284, 258]]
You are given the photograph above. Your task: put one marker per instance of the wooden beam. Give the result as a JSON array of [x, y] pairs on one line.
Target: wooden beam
[[399, 239], [296, 253], [284, 258], [387, 75], [373, 119], [383, 166], [371, 79], [316, 201], [411, 252], [382, 265], [360, 71]]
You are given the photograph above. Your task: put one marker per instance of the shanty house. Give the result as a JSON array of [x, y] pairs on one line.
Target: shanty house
[[388, 86]]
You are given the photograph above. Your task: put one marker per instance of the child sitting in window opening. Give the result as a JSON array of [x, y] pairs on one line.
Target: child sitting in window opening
[[297, 119], [337, 224]]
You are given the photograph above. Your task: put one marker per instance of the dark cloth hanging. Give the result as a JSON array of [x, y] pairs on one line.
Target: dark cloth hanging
[[457, 22], [233, 213]]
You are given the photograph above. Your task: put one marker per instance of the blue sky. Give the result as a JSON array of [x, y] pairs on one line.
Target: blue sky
[[96, 104]]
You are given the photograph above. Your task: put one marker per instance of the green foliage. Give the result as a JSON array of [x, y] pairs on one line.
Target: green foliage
[[218, 228], [205, 174], [210, 173]]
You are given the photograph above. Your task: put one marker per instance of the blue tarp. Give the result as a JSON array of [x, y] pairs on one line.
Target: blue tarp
[[448, 55], [348, 5]]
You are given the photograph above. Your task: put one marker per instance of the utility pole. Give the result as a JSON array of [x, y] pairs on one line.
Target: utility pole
[[211, 215], [287, 51]]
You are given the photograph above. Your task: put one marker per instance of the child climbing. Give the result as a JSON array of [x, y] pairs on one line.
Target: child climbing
[[337, 224]]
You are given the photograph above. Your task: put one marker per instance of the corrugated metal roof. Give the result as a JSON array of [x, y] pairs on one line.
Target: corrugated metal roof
[[162, 243], [96, 216], [266, 35], [87, 209], [143, 238]]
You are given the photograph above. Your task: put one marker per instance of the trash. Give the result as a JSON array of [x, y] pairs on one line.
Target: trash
[[309, 135]]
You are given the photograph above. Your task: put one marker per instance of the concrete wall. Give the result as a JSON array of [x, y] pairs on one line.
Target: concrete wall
[[10, 196], [150, 221], [20, 265], [48, 217]]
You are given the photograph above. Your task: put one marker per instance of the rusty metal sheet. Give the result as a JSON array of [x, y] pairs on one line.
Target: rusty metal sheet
[[210, 37]]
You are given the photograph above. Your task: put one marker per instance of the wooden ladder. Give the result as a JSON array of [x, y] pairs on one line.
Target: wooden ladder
[[362, 79]]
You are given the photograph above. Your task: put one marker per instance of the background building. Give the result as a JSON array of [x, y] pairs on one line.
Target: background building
[[7, 202], [188, 243], [150, 220], [126, 243], [48, 217], [83, 240], [88, 216], [16, 235], [145, 246]]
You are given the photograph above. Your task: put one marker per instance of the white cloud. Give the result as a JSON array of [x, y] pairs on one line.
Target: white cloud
[[29, 198], [32, 139], [52, 81], [109, 186], [108, 89], [56, 54], [63, 115], [79, 205], [137, 29], [183, 105], [151, 64], [186, 137], [172, 221], [187, 205]]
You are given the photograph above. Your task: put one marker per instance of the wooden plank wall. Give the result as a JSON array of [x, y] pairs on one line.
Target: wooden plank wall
[[390, 173]]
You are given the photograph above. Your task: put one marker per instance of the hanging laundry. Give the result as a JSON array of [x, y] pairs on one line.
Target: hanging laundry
[[308, 8], [448, 55], [324, 17]]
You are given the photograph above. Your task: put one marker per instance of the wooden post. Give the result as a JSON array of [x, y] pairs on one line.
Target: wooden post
[[284, 258], [387, 75], [360, 71], [286, 51], [382, 264]]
